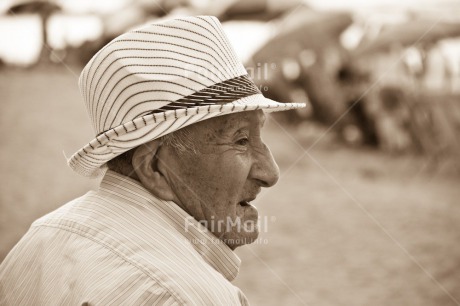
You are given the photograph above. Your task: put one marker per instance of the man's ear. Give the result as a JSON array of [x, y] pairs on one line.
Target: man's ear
[[145, 165]]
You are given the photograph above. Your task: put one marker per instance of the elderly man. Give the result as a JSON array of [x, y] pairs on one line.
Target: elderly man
[[178, 125]]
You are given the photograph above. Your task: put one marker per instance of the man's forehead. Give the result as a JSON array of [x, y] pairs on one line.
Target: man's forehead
[[249, 117], [238, 120], [226, 125]]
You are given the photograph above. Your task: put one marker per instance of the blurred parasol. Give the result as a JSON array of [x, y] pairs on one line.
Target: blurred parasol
[[303, 28], [406, 34], [41, 7], [45, 9], [307, 50], [305, 19]]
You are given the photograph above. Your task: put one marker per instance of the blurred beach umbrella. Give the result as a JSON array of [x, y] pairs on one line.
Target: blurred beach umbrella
[[305, 19], [308, 51], [303, 29], [44, 9], [32, 7], [258, 9], [406, 34]]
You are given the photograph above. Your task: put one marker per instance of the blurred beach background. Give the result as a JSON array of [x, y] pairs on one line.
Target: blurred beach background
[[367, 209]]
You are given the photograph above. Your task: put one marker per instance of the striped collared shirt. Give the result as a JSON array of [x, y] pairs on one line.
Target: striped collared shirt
[[119, 245]]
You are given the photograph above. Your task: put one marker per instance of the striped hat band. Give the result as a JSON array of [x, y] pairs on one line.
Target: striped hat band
[[226, 91], [155, 80]]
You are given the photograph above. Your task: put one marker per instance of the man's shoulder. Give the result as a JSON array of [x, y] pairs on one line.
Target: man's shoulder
[[57, 267], [100, 251], [105, 244], [140, 237]]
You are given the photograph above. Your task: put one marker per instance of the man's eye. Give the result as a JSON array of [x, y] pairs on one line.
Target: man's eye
[[242, 142]]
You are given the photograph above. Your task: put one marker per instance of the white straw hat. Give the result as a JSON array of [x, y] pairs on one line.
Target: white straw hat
[[157, 79]]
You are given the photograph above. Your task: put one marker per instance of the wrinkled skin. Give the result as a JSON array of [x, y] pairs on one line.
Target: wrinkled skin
[[230, 165]]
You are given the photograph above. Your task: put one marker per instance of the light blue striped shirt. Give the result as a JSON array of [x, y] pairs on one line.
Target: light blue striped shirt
[[119, 245]]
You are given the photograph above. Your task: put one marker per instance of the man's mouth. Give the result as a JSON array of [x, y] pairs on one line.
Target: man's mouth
[[247, 202], [244, 203]]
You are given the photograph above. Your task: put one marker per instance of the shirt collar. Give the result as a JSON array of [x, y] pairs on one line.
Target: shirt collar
[[213, 251]]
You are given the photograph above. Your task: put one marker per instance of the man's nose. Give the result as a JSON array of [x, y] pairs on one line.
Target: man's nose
[[264, 169]]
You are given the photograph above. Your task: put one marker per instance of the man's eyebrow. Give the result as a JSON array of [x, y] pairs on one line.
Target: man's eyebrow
[[242, 123], [241, 129]]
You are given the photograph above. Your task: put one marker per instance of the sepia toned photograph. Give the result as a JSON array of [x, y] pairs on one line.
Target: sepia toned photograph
[[233, 152]]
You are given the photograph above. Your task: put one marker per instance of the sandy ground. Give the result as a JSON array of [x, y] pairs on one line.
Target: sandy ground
[[342, 227]]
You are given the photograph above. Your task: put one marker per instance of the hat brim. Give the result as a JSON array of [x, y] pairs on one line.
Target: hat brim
[[91, 160]]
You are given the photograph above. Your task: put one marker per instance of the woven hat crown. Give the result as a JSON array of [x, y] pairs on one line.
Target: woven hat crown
[[147, 69]]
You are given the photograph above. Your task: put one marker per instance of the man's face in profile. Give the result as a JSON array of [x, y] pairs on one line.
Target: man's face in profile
[[230, 164]]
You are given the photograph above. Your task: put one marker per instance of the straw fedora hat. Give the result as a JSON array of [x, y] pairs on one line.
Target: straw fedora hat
[[157, 79]]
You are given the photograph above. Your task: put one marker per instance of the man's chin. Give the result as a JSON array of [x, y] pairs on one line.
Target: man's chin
[[241, 240], [248, 212]]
